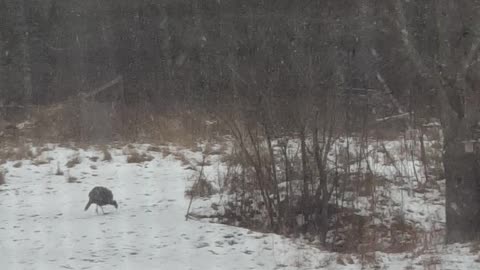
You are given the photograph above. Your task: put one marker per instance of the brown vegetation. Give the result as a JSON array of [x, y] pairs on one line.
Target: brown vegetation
[[75, 160], [136, 157], [2, 178]]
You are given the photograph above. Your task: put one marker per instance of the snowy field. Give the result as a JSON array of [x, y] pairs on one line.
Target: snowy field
[[43, 224]]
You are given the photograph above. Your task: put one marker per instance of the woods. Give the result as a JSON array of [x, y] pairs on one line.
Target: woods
[[271, 73]]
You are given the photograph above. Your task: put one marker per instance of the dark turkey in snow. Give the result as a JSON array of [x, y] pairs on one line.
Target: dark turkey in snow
[[100, 196]]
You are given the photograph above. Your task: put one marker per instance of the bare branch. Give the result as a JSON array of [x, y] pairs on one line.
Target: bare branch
[[467, 63], [390, 93], [397, 116], [412, 52], [111, 83]]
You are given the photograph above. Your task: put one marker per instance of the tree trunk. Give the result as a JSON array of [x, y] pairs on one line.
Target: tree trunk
[[462, 172], [423, 155], [462, 169], [303, 146], [26, 63]]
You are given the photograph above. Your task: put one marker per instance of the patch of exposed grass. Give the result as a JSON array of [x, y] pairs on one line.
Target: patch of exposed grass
[[106, 155], [73, 161], [166, 152], [39, 161], [182, 158], [18, 164], [2, 178], [72, 179], [59, 170], [135, 157], [17, 153], [201, 188], [152, 148]]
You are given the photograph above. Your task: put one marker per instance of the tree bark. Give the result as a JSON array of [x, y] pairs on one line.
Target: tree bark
[[462, 172], [457, 115]]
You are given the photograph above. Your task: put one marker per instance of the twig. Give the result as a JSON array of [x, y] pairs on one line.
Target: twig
[[194, 184], [111, 83]]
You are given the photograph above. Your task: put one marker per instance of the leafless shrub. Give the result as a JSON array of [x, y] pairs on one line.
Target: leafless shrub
[[340, 260], [369, 260], [182, 158], [152, 148], [59, 170], [196, 149], [40, 150], [73, 161], [166, 152], [39, 161], [136, 157], [130, 146], [404, 235], [428, 240], [432, 263], [213, 151], [475, 247], [18, 164], [72, 179], [204, 163], [201, 188], [106, 155], [18, 153], [2, 178], [233, 159]]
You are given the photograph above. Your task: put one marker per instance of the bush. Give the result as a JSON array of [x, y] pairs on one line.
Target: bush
[[152, 148], [74, 161], [201, 188], [39, 161], [2, 178], [182, 158], [106, 155], [59, 171], [72, 179], [135, 157]]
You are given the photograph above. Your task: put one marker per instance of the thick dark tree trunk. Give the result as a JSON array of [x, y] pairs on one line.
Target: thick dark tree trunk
[[461, 164], [462, 172], [458, 107]]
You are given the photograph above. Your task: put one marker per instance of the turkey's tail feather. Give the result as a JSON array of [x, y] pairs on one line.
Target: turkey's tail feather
[[88, 205]]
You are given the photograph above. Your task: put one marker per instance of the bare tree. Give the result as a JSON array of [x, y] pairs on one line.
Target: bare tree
[[457, 32]]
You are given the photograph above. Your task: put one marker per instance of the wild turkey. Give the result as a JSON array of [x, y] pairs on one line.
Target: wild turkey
[[100, 196]]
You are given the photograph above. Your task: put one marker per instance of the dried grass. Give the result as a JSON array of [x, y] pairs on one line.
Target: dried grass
[[2, 178], [40, 161], [201, 188], [21, 152], [152, 148], [106, 155], [136, 157], [18, 164], [72, 179], [59, 170], [182, 158], [73, 161]]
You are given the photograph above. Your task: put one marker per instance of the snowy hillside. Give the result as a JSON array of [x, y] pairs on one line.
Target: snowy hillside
[[43, 224]]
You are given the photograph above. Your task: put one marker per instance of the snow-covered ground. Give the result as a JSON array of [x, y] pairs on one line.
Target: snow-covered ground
[[43, 224]]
